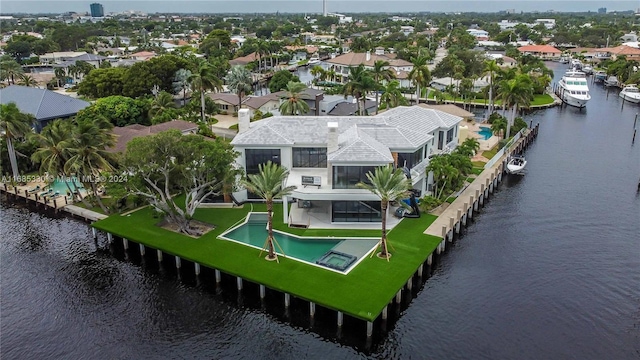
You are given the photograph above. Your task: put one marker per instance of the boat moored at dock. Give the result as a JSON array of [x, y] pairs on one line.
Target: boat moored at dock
[[574, 89], [631, 93]]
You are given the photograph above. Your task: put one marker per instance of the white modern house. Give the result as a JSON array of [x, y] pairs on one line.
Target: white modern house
[[328, 156]]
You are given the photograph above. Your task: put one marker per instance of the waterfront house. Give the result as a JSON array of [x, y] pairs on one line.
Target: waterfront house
[[327, 156], [545, 52], [630, 53], [342, 63], [58, 57], [265, 104], [143, 55], [44, 105], [127, 133], [226, 102], [443, 83]]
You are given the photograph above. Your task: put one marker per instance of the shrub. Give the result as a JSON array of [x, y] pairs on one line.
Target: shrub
[[428, 203]]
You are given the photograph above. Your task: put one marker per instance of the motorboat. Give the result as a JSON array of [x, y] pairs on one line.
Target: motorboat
[[631, 93], [564, 60], [600, 75], [576, 64], [314, 60], [516, 165], [612, 81], [574, 89], [587, 69]]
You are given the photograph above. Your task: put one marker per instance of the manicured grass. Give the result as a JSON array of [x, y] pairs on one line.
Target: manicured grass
[[450, 199], [478, 164], [362, 293], [477, 170], [544, 99], [538, 100], [489, 154]]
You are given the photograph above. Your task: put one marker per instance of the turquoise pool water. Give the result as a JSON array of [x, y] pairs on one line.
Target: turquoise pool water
[[485, 132], [60, 186], [255, 233]]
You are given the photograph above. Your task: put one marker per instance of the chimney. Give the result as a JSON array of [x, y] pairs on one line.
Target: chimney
[[368, 55], [332, 137], [319, 98], [243, 120]]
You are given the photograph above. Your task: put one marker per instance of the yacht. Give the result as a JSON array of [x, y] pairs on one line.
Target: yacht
[[576, 64], [631, 93], [587, 69], [612, 81], [314, 60], [574, 89], [600, 76]]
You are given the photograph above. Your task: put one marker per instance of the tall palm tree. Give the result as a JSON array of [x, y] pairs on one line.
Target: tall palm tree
[[318, 73], [28, 80], [53, 152], [202, 80], [14, 125], [181, 83], [420, 74], [60, 74], [515, 93], [10, 69], [388, 184], [331, 74], [268, 183], [499, 126], [88, 155], [491, 68], [392, 96], [359, 83], [161, 103], [294, 104], [239, 81], [443, 173], [381, 72]]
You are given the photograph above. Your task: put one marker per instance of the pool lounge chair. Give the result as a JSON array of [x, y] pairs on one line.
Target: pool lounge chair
[[33, 190], [45, 193], [51, 196]]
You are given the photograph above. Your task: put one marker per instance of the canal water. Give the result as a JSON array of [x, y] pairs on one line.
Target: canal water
[[550, 269]]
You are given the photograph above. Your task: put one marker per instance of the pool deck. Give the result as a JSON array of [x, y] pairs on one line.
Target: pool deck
[[363, 293]]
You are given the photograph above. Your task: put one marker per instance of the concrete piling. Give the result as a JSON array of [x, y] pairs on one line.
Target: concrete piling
[[262, 292], [287, 300], [218, 277], [475, 203], [369, 329], [399, 296], [196, 268], [125, 243], [95, 233], [385, 312], [312, 309], [340, 319], [239, 283], [178, 262], [142, 249], [159, 252]]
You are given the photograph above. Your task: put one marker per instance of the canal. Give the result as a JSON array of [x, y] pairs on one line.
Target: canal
[[549, 269]]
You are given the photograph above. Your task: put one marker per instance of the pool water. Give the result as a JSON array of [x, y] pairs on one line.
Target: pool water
[[60, 186], [485, 132], [309, 250]]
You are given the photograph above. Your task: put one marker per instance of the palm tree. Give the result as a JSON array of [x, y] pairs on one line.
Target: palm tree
[[491, 68], [359, 83], [515, 93], [53, 152], [388, 184], [294, 104], [499, 126], [268, 183], [469, 147], [420, 74], [60, 74], [10, 69], [392, 96], [202, 80], [318, 73], [443, 173], [14, 125], [161, 103], [181, 83], [88, 155], [28, 80], [380, 72], [239, 81]]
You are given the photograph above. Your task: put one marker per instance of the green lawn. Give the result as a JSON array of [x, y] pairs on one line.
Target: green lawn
[[478, 164], [538, 100], [544, 99], [362, 293], [489, 154]]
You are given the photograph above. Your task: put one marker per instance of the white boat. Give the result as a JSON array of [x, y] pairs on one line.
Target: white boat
[[600, 75], [631, 93], [516, 165], [611, 81], [314, 60], [574, 89], [587, 69], [564, 60], [576, 64]]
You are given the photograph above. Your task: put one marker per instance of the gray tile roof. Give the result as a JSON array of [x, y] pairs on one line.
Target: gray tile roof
[[349, 108], [395, 137], [42, 104], [356, 146]]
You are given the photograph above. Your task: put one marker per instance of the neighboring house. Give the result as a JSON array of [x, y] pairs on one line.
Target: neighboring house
[[225, 101], [313, 98], [333, 154], [451, 109], [44, 105], [342, 63], [58, 57], [541, 51], [143, 55], [299, 53], [350, 108], [630, 53], [266, 104], [244, 60], [91, 59], [443, 83], [127, 133], [630, 37], [479, 34]]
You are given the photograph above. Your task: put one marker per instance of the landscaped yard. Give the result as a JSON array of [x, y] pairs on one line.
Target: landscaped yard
[[489, 154], [538, 100], [362, 293]]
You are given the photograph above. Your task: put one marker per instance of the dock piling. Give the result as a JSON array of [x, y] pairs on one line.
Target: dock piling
[[218, 277], [340, 319], [125, 243], [369, 329], [196, 268], [385, 312], [262, 292], [239, 283], [312, 309], [178, 262], [159, 253], [287, 300], [142, 249]]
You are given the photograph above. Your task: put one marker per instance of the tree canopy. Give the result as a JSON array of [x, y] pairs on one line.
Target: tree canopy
[[280, 80], [119, 110]]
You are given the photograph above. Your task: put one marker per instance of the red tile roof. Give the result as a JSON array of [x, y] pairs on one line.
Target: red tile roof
[[539, 48]]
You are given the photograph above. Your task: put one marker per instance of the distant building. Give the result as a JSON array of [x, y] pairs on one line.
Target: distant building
[[97, 10], [602, 10]]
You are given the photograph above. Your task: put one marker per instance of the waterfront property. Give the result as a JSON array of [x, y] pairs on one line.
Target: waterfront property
[[328, 156]]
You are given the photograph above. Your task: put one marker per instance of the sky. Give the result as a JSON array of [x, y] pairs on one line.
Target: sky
[[314, 6]]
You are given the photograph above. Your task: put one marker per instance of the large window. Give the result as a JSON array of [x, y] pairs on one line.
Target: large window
[[255, 157], [356, 211], [449, 136], [310, 157], [410, 159], [440, 139], [346, 177]]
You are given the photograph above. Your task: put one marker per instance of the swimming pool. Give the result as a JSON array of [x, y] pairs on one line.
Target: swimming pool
[[59, 185], [485, 132], [310, 250]]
